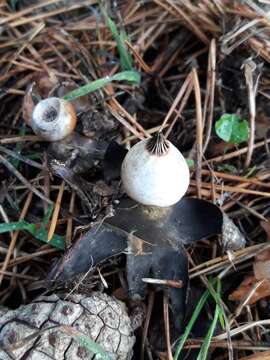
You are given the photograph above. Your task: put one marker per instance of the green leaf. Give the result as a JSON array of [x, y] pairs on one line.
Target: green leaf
[[228, 168], [39, 233], [93, 347], [130, 76], [125, 57], [34, 156], [251, 171], [232, 129], [190, 163], [13, 4]]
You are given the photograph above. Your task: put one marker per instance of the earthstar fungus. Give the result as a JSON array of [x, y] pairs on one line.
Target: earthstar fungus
[[151, 228], [53, 119]]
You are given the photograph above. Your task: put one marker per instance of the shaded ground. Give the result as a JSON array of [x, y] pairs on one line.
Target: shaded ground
[[197, 61]]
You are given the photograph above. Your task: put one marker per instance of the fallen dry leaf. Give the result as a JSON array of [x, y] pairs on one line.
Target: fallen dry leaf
[[261, 268], [265, 355], [264, 255], [246, 286], [261, 265], [45, 83], [266, 226], [28, 106], [219, 148]]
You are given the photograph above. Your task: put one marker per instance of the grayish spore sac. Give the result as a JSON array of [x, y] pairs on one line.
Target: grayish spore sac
[[33, 332]]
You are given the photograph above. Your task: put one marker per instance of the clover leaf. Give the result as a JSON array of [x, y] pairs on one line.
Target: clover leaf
[[232, 129]]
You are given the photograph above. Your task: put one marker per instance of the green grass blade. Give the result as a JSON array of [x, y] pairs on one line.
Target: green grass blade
[[189, 326], [47, 216], [57, 241], [14, 226], [125, 57], [217, 297], [206, 344], [34, 156], [130, 76], [40, 234], [93, 347], [13, 4]]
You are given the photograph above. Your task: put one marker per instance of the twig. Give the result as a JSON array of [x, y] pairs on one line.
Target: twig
[[181, 107], [56, 211], [250, 67], [177, 11], [15, 139], [167, 324], [232, 189], [210, 93], [70, 219], [22, 158], [139, 59], [245, 301], [15, 236], [176, 100], [17, 275], [151, 298], [242, 328], [16, 173], [171, 283], [236, 153], [199, 130]]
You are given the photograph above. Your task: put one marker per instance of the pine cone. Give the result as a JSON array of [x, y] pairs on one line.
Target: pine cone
[[33, 332]]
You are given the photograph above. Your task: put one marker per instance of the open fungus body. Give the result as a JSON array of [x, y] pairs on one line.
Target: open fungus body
[[151, 228], [53, 119]]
